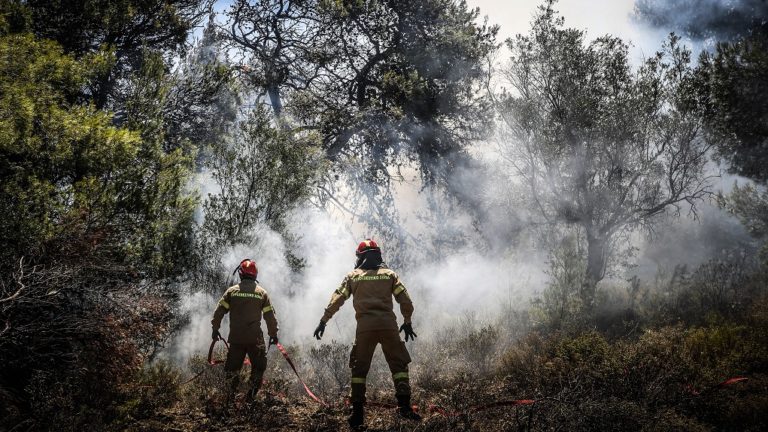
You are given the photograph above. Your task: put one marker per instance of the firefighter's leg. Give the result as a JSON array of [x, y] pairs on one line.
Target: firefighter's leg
[[235, 357], [258, 356], [398, 358], [360, 362]]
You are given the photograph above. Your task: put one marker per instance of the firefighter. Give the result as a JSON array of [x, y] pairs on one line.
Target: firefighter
[[372, 286], [246, 303]]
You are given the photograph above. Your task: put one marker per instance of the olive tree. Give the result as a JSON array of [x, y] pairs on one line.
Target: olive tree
[[598, 144]]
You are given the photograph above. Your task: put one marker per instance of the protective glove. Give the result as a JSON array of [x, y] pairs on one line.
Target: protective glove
[[215, 335], [408, 331], [320, 330], [272, 340]]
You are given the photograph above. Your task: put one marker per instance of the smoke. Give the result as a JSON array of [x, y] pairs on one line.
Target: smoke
[[447, 280], [451, 270], [713, 235], [467, 251], [704, 19]]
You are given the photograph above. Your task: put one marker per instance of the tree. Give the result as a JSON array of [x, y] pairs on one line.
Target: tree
[[385, 83], [733, 77], [284, 45], [264, 171], [204, 97], [735, 80], [404, 87], [95, 225], [127, 29], [65, 168], [96, 219], [703, 19], [599, 146]]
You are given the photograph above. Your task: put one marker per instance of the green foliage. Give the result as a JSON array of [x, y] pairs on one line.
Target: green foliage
[[64, 166], [386, 84], [750, 205], [561, 304], [14, 17], [70, 176], [735, 82], [126, 28], [98, 139], [415, 94], [667, 373], [203, 99], [717, 291], [84, 26], [97, 227], [264, 172]]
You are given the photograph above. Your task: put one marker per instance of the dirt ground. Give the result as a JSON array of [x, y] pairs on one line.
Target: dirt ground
[[278, 413]]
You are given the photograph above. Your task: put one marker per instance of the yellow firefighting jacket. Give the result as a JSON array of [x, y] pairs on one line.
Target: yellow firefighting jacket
[[246, 303], [372, 292]]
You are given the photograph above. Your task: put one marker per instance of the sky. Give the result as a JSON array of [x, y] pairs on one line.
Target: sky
[[598, 17]]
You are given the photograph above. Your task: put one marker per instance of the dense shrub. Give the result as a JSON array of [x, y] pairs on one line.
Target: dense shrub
[[77, 338], [666, 378]]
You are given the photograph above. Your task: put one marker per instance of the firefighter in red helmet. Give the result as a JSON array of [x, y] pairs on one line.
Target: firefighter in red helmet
[[372, 286], [246, 303]]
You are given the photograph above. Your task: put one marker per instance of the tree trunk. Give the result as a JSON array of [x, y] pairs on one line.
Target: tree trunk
[[273, 91], [596, 257]]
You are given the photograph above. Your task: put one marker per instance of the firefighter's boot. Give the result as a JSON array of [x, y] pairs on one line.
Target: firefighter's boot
[[233, 379], [258, 366], [357, 419], [405, 410], [251, 395]]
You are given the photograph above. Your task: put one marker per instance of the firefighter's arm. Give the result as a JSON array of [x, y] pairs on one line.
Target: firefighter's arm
[[338, 298], [221, 310], [268, 312], [403, 299]]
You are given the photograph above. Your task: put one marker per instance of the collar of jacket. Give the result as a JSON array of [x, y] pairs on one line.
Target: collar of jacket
[[248, 283]]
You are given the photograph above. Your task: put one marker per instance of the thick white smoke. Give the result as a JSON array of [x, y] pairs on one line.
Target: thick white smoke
[[445, 288], [485, 276], [482, 282]]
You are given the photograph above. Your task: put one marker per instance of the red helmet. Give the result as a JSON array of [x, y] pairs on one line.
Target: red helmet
[[365, 246], [247, 268]]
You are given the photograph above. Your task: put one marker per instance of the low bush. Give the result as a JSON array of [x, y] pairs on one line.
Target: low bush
[[667, 376]]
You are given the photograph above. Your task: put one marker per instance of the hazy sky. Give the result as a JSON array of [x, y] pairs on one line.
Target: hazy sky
[[598, 17]]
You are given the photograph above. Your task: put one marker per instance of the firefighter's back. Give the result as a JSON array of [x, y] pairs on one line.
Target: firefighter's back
[[371, 292], [245, 309]]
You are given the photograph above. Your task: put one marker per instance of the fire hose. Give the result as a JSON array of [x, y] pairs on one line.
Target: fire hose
[[214, 362], [306, 388]]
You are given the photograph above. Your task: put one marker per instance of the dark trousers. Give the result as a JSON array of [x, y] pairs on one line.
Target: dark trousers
[[394, 352], [235, 358]]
